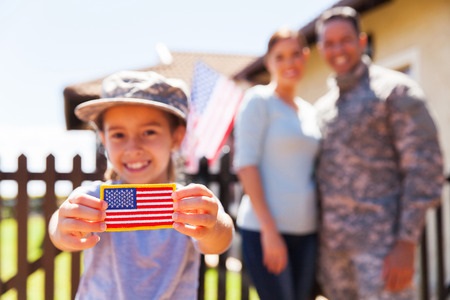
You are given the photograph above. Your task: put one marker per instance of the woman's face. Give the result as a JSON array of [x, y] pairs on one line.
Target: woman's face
[[286, 61], [139, 142]]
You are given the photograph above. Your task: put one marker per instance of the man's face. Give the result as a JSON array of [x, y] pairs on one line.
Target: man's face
[[341, 46]]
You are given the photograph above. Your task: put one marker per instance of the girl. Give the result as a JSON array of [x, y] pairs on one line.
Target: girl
[[140, 120]]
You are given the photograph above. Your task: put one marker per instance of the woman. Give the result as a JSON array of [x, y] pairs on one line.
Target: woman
[[277, 140]]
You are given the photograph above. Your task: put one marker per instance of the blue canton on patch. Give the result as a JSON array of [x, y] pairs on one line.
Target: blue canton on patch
[[121, 198]]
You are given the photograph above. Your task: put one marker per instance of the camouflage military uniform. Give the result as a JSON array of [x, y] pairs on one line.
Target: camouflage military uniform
[[380, 169]]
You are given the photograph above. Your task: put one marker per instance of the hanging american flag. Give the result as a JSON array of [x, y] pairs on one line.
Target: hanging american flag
[[138, 206], [214, 103]]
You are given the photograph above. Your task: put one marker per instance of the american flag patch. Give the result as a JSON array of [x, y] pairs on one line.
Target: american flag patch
[[138, 206]]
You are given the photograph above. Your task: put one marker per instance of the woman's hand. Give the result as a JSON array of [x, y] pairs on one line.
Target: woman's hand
[[275, 255]]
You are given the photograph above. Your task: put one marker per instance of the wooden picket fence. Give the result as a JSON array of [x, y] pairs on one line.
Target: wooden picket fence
[[433, 257]]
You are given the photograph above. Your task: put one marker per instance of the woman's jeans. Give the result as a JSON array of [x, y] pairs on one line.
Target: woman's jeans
[[297, 281]]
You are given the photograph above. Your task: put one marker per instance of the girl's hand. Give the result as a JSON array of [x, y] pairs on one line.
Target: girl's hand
[[199, 214], [73, 224], [196, 210]]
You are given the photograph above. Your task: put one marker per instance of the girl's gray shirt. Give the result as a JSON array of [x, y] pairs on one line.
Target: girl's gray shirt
[[143, 264]]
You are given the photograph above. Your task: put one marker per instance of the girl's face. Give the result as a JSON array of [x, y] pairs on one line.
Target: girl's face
[[286, 61], [139, 142]]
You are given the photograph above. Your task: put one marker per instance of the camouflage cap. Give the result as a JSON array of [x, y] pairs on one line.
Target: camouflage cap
[[137, 88]]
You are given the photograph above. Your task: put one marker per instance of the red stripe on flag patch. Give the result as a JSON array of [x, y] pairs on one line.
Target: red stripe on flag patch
[[138, 206]]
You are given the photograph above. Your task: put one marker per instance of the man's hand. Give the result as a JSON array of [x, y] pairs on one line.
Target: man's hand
[[398, 270]]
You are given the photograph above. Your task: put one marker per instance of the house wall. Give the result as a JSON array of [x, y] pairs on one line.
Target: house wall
[[404, 32]]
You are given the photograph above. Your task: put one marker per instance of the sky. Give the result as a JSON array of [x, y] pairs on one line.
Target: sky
[[46, 45]]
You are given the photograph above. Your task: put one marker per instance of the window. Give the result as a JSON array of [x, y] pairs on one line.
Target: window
[[406, 61]]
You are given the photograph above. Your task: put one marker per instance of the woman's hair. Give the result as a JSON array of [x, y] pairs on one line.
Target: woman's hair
[[286, 33], [174, 164], [339, 13]]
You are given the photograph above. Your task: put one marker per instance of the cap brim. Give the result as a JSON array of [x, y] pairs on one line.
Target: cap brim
[[90, 110]]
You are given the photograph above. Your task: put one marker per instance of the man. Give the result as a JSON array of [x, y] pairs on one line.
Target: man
[[380, 168]]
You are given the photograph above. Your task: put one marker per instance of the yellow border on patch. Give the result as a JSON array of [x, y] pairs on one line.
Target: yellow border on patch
[[158, 185]]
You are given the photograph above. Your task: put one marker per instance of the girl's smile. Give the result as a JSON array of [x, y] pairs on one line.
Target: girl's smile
[[137, 165]]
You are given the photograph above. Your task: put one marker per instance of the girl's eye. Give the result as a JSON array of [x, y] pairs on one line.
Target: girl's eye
[[117, 135], [149, 132]]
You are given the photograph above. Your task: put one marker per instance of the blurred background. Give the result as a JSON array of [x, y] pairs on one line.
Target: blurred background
[[47, 45]]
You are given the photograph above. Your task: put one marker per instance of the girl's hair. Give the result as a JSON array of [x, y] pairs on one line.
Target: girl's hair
[[286, 33], [174, 163]]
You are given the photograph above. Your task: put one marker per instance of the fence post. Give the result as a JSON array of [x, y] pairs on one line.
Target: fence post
[[424, 266], [77, 178], [224, 196], [203, 175], [202, 178], [440, 281], [445, 285], [22, 178], [49, 208]]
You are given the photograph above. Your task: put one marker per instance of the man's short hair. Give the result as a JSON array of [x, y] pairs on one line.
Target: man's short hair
[[342, 13]]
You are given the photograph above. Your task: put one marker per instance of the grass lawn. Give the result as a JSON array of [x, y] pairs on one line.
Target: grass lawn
[[35, 283], [8, 260], [233, 286]]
